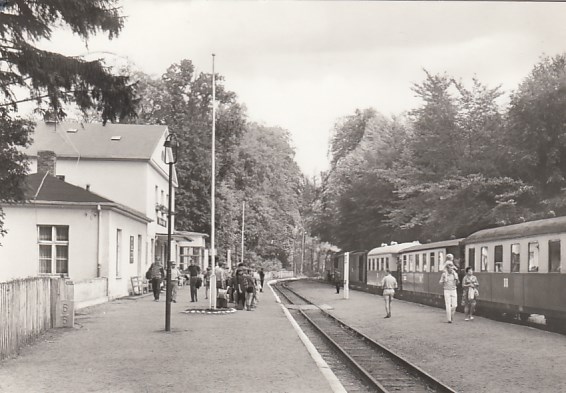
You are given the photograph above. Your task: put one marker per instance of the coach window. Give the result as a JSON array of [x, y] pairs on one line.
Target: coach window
[[483, 262], [387, 263], [382, 264], [498, 259], [554, 256], [432, 262], [472, 258], [411, 263], [440, 260], [425, 265], [418, 262], [533, 257], [405, 263], [515, 258]]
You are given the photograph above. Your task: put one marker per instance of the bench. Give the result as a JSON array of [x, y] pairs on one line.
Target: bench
[[139, 285]]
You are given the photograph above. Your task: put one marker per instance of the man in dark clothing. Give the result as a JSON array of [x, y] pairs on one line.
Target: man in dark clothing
[[261, 277], [337, 280], [194, 271], [156, 273]]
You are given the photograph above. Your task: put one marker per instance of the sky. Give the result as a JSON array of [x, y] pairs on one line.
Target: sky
[[302, 65]]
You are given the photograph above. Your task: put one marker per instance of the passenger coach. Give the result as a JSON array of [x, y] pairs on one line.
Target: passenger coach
[[422, 266], [384, 258], [357, 262], [520, 268]]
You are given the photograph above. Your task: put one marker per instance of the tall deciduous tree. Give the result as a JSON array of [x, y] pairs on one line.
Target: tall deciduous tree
[[536, 129], [51, 79]]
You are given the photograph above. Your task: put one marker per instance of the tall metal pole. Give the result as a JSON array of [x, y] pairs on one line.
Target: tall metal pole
[[168, 286], [243, 220], [213, 190]]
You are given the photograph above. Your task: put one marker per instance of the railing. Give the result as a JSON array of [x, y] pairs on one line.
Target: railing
[[27, 309]]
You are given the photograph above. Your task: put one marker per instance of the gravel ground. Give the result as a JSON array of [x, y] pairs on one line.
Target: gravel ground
[[122, 347], [474, 356]]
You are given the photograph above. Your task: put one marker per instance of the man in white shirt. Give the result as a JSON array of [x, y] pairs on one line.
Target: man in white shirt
[[175, 276], [389, 284]]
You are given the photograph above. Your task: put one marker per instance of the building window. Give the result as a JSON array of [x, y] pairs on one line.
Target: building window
[[139, 250], [554, 256], [472, 258], [185, 257], [432, 262], [53, 249], [132, 249], [533, 257], [515, 258], [483, 259], [498, 259], [118, 251]]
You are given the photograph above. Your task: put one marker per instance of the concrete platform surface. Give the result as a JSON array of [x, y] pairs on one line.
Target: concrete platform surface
[[122, 346]]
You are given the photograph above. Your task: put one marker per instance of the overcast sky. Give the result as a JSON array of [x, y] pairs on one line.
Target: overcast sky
[[301, 65]]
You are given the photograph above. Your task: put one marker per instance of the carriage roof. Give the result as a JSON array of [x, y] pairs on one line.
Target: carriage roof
[[525, 229]]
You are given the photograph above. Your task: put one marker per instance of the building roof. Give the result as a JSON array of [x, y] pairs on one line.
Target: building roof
[[42, 188], [429, 246], [392, 249], [92, 140], [525, 229]]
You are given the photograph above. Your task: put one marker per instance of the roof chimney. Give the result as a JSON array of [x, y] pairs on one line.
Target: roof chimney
[[46, 162]]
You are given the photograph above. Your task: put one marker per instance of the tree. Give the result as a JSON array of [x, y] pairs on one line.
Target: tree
[[536, 130], [51, 79]]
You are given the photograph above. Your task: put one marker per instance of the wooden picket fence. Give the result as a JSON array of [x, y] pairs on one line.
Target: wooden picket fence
[[27, 309]]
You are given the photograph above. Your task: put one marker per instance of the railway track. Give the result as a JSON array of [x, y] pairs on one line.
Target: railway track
[[381, 369]]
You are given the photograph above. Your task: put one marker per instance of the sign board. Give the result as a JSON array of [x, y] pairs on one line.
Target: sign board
[[65, 315]]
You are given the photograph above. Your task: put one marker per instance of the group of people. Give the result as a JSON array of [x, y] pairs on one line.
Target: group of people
[[470, 292], [449, 280], [240, 286]]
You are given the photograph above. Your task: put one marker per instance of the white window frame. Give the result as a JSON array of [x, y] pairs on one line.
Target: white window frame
[[53, 243]]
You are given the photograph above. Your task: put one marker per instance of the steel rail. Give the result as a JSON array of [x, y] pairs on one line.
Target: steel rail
[[417, 371]]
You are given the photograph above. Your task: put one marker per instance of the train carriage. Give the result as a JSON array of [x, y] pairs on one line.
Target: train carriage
[[381, 259], [521, 268], [421, 268], [357, 261]]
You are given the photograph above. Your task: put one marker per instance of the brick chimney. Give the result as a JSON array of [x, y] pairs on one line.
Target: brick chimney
[[46, 162]]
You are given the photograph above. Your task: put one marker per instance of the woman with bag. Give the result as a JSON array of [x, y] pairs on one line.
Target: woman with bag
[[470, 285]]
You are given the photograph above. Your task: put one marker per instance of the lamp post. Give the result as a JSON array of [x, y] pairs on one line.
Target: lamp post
[[212, 195], [171, 146]]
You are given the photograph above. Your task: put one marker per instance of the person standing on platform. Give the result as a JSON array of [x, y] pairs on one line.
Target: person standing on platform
[[337, 280], [194, 271], [207, 275], [175, 276], [156, 273], [389, 284], [240, 282], [220, 273], [261, 278], [470, 285], [449, 280]]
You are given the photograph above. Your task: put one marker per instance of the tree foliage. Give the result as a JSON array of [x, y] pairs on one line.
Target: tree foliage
[[457, 164], [49, 79], [254, 164]]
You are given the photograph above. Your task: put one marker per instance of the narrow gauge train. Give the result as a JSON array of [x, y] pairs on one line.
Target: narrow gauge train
[[521, 268]]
